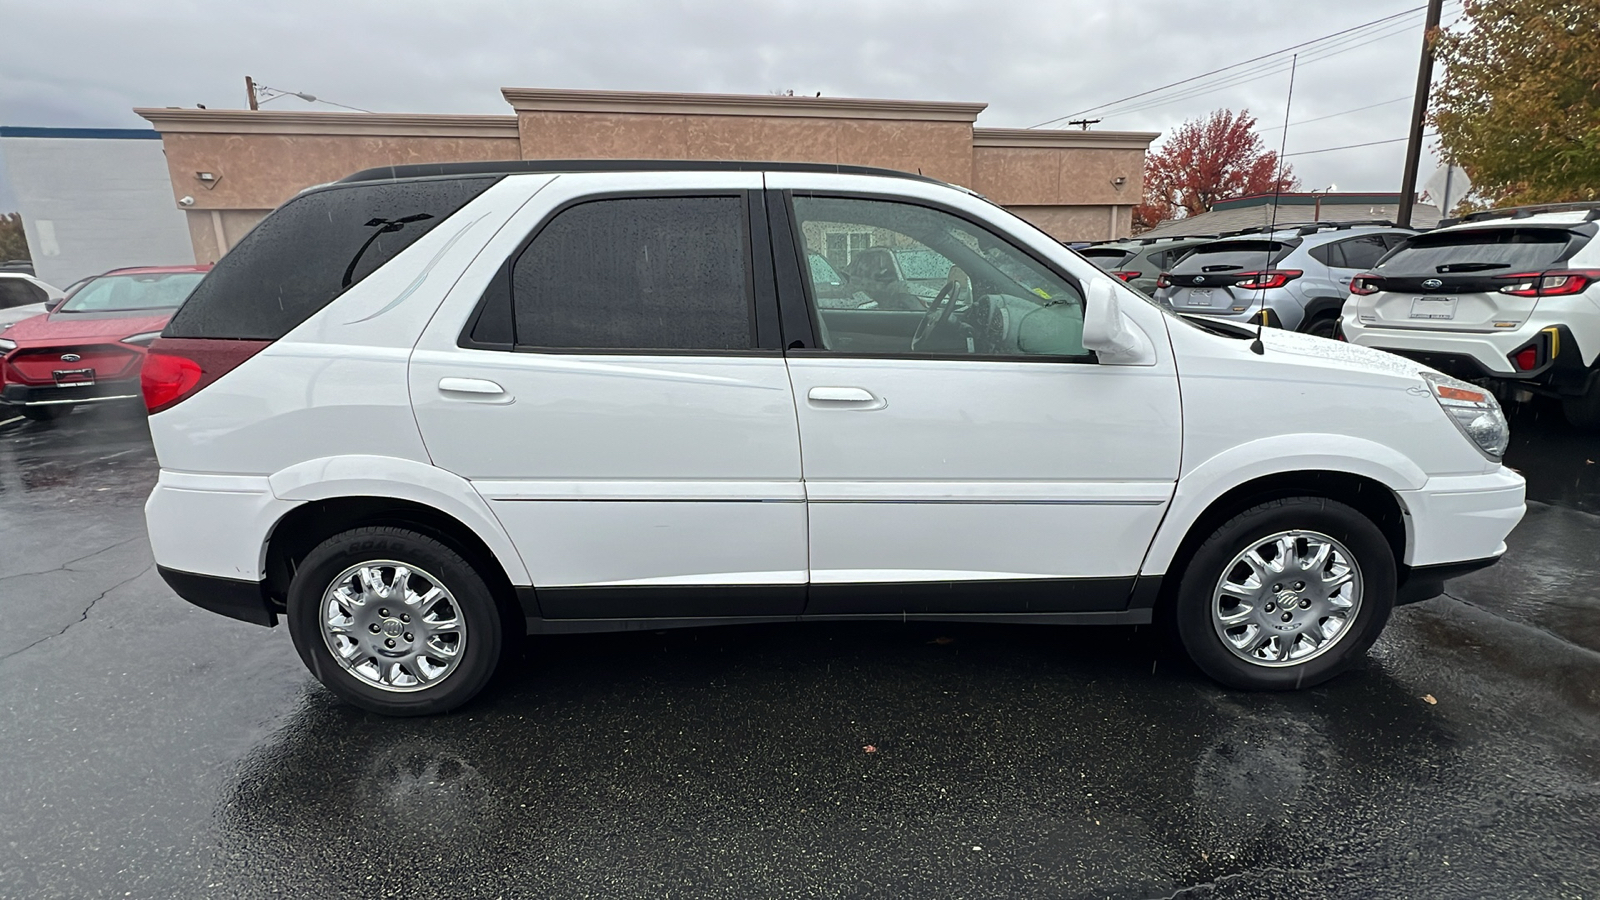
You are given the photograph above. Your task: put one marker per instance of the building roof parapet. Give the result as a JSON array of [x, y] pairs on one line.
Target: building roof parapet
[[279, 121], [1062, 138], [658, 103]]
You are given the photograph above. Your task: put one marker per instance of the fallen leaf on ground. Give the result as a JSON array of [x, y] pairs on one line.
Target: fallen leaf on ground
[[870, 749], [941, 641], [1428, 699]]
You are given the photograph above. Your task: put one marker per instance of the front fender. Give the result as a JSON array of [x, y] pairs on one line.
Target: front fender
[[332, 478], [1205, 483]]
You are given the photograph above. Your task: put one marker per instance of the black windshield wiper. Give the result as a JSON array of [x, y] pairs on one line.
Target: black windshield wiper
[[1448, 268], [384, 226]]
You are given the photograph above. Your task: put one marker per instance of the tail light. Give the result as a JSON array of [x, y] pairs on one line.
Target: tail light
[[1365, 284], [1527, 358], [1554, 283], [1127, 276], [1266, 279], [1163, 280], [178, 368]]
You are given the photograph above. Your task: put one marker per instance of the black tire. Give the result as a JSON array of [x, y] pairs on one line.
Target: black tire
[[1583, 411], [1324, 326], [47, 413], [1365, 543], [484, 635]]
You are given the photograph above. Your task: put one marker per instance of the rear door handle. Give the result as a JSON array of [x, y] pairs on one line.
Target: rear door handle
[[478, 387], [845, 398]]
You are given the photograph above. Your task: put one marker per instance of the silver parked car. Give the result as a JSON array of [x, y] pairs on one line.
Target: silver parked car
[[1291, 276]]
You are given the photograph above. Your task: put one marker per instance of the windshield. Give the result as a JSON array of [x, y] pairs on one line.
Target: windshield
[[1479, 250], [119, 293], [1232, 256]]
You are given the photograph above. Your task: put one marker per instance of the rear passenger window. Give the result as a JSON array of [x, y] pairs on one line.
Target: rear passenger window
[[311, 250], [647, 273], [1363, 252], [1328, 255]]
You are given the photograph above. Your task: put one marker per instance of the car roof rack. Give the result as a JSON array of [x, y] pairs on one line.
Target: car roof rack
[[1523, 212], [1172, 237], [573, 166], [1305, 228]]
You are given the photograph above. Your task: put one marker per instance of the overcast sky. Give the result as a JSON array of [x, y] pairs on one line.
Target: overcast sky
[[87, 63]]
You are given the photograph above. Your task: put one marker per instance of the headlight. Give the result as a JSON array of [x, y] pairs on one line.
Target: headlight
[[143, 339], [7, 345], [1474, 410]]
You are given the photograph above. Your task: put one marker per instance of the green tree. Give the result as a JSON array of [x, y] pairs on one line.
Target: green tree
[[13, 244], [1518, 105]]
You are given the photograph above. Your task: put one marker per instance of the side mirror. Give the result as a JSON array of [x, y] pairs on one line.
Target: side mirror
[[1114, 338]]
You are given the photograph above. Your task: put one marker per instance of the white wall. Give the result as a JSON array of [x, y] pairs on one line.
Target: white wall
[[93, 203]]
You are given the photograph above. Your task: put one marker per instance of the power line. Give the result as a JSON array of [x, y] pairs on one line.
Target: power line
[[1265, 70], [1341, 113], [1303, 44], [1353, 146]]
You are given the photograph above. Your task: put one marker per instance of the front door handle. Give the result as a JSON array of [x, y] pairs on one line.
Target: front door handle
[[478, 387], [845, 398]]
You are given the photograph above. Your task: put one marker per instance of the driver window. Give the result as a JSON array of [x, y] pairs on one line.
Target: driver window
[[894, 278]]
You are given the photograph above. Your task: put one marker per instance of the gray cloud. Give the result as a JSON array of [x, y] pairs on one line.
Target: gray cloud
[[89, 62]]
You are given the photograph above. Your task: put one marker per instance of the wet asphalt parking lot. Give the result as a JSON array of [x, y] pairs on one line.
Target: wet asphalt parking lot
[[151, 749]]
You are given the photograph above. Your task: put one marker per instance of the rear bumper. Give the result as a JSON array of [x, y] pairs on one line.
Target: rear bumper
[[16, 394], [1478, 355], [243, 600]]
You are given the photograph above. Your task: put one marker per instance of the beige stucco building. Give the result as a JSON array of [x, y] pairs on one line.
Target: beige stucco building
[[237, 165]]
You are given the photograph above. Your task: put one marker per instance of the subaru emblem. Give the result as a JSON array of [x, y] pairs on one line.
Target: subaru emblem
[[70, 357], [1199, 279], [1432, 284]]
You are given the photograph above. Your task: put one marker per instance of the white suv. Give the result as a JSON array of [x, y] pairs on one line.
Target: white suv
[[1509, 296], [428, 409]]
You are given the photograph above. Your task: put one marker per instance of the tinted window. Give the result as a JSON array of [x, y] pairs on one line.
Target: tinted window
[[1107, 258], [1233, 256], [16, 292], [989, 299], [659, 273], [1328, 255], [1363, 252], [311, 250], [116, 293], [1481, 250]]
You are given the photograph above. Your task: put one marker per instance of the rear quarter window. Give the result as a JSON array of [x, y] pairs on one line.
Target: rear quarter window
[[297, 260], [1106, 258], [1482, 250]]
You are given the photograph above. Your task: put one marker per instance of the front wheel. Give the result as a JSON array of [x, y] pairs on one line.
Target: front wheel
[[1285, 595], [394, 622]]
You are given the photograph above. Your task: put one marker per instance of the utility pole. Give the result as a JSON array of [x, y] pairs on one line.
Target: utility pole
[[250, 91], [1419, 112], [1085, 123]]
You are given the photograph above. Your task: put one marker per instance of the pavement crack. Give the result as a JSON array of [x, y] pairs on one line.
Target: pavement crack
[[68, 564], [83, 616]]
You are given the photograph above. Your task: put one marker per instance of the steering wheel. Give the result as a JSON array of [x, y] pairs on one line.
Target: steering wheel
[[938, 312]]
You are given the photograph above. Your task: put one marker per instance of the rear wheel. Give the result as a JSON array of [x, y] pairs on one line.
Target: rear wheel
[[47, 413], [1326, 326], [1583, 411], [1287, 594], [394, 622]]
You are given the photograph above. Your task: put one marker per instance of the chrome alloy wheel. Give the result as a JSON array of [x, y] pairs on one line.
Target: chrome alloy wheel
[[393, 626], [1287, 599]]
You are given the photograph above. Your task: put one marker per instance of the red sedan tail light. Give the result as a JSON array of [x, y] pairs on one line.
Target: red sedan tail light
[[1266, 279]]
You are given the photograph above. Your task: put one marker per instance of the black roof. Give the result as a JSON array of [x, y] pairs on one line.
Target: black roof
[[535, 166]]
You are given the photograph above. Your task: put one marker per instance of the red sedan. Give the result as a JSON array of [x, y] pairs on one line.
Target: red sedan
[[89, 347]]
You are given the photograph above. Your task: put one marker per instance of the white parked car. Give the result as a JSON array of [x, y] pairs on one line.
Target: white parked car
[[23, 296], [1509, 296], [427, 409]]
